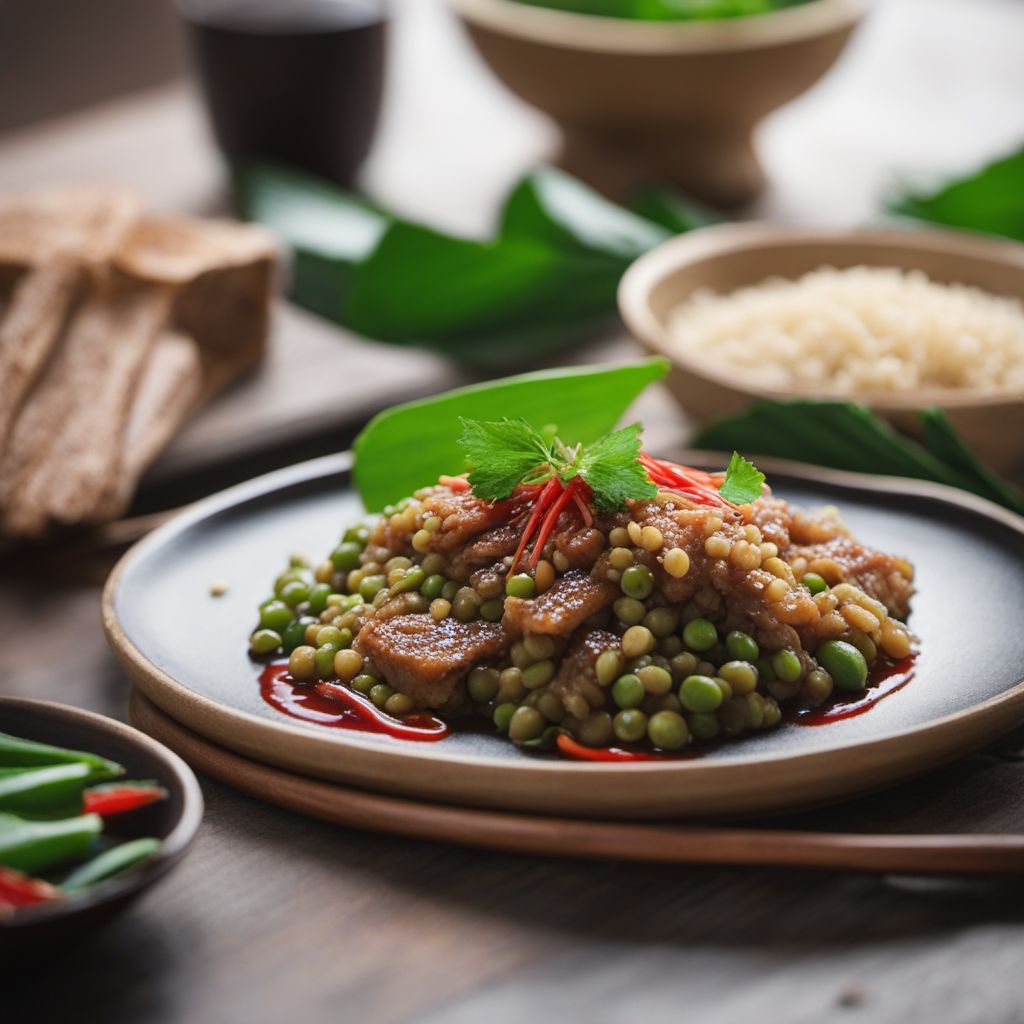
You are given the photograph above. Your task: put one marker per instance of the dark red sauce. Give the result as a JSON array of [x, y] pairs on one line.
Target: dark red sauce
[[886, 679], [338, 707]]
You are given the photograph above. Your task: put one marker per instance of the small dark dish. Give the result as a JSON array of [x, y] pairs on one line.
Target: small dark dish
[[174, 820]]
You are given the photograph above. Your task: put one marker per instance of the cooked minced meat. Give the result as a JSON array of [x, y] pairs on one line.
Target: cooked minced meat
[[665, 622]]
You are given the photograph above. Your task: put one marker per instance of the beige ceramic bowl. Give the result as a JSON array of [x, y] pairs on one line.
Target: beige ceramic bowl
[[728, 257], [671, 103]]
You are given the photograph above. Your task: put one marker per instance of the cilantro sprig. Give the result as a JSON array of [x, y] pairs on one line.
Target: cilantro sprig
[[506, 453], [743, 481]]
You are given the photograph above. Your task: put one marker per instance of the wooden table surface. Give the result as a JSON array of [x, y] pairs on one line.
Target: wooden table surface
[[273, 917]]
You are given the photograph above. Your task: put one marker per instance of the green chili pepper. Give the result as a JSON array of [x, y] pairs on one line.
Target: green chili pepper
[[109, 863], [19, 753], [53, 791], [33, 846]]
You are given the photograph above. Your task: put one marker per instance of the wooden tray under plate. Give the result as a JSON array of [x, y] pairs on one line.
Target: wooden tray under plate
[[981, 796]]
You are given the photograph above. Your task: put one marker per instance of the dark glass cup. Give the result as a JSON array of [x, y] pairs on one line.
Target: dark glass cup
[[297, 82]]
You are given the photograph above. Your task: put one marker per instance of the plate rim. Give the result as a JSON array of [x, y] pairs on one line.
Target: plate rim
[[222, 722]]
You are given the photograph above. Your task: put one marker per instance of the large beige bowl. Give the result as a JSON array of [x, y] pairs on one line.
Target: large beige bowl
[[728, 257], [670, 103]]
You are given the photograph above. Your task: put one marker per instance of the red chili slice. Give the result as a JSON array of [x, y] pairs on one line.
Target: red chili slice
[[18, 890]]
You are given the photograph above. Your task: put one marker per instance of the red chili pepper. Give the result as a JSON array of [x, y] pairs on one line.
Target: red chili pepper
[[547, 495], [18, 890], [119, 797], [551, 517], [568, 746], [694, 483]]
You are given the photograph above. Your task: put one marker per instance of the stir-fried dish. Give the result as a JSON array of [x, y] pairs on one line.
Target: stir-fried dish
[[592, 597]]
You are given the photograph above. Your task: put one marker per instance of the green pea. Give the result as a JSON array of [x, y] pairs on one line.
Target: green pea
[[520, 585], [766, 670], [346, 556], [630, 725], [703, 725], [294, 593], [667, 730], [371, 586], [656, 680], [263, 641], [700, 635], [324, 660], [358, 534], [629, 610], [302, 663], [741, 646], [503, 715], [844, 663], [380, 694], [432, 586], [628, 691], [450, 589], [814, 583], [740, 675], [492, 611], [330, 635], [364, 683], [289, 576], [637, 582], [787, 666], [276, 615], [700, 693], [525, 724], [538, 674], [607, 667], [412, 580], [482, 684], [318, 597], [662, 622], [596, 729], [294, 633]]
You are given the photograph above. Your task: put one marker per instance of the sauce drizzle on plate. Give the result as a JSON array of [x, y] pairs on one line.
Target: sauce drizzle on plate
[[338, 707], [886, 680]]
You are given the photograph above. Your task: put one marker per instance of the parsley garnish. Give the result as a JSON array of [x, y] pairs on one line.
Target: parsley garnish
[[509, 452], [743, 481]]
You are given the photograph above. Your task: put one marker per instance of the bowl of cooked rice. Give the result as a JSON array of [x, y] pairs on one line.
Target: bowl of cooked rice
[[896, 320]]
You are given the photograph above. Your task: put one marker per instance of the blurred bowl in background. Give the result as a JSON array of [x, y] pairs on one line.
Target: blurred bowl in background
[[667, 103], [296, 83], [173, 821], [731, 256]]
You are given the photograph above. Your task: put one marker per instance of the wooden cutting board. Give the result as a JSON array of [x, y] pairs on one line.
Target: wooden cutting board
[[967, 819]]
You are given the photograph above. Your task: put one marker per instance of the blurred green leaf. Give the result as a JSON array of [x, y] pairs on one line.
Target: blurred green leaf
[[329, 231], [946, 444], [843, 435], [991, 200], [488, 302], [552, 206], [674, 212], [410, 445]]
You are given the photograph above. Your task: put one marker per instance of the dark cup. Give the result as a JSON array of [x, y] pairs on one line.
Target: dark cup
[[297, 82]]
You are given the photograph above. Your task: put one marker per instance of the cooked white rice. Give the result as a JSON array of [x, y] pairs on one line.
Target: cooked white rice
[[855, 330]]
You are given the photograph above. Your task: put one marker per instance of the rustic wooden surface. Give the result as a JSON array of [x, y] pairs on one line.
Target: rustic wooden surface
[[274, 917]]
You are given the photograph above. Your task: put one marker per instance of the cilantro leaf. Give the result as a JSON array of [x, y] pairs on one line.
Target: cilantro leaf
[[501, 454], [611, 469], [743, 481]]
